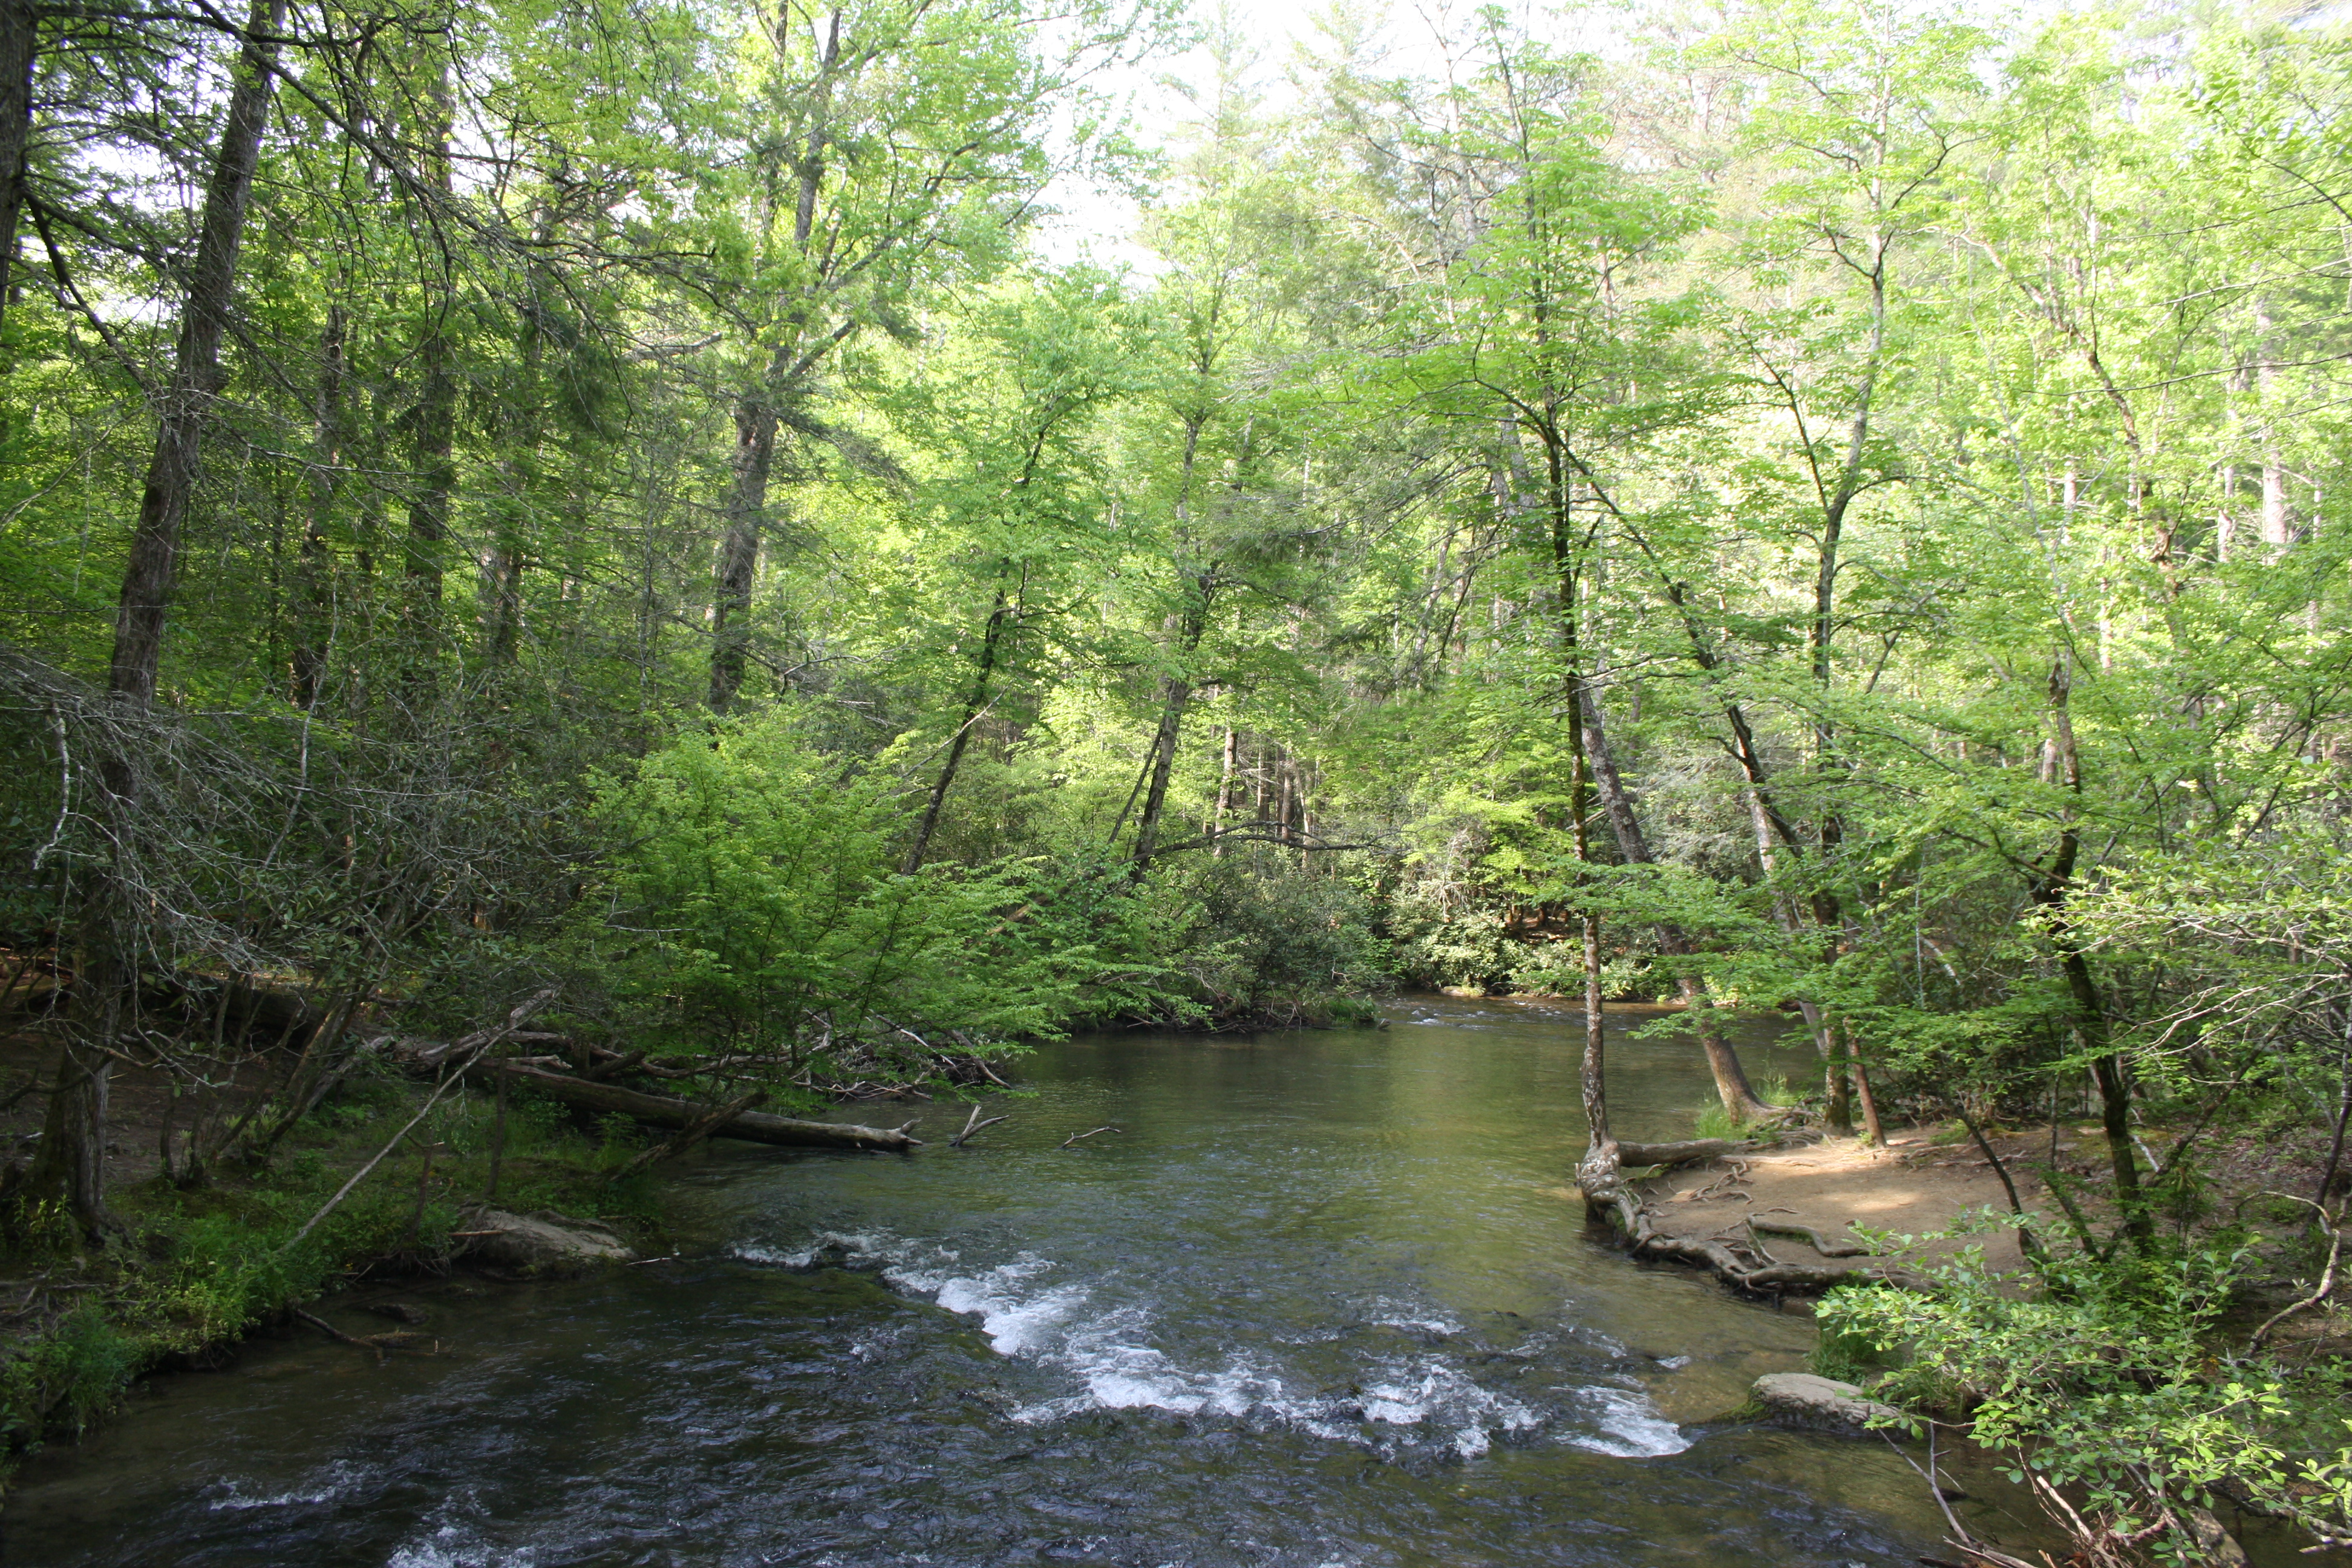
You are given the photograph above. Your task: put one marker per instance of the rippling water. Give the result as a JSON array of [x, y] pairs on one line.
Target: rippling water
[[1323, 1299]]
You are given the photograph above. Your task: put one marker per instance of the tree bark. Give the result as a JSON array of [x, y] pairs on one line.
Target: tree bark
[[1176, 694], [20, 40], [738, 549], [2050, 891], [152, 571], [1225, 794], [503, 567], [313, 611]]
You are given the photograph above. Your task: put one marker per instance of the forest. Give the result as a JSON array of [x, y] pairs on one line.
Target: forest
[[632, 528]]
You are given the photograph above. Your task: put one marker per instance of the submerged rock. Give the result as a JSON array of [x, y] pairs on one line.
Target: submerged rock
[[540, 1243], [1822, 1401]]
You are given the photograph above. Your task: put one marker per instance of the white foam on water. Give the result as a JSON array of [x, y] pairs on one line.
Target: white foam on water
[[1030, 1312], [1395, 1314], [1630, 1427], [452, 1546], [338, 1480]]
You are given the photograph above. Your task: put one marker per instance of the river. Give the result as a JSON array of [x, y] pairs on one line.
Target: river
[[1322, 1299]]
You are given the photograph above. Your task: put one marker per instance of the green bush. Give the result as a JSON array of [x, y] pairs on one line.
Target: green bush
[[2109, 1379], [1270, 946]]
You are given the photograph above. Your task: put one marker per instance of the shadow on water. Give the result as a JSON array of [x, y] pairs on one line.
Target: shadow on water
[[1323, 1299]]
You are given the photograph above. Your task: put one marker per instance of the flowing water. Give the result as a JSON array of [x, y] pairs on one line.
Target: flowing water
[[1322, 1299]]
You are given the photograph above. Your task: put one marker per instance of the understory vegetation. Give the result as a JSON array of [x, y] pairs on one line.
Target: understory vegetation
[[644, 540]]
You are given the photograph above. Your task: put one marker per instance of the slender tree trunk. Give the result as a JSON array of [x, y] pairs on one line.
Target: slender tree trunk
[[503, 567], [992, 641], [1224, 791], [1871, 1128], [20, 39], [2052, 891], [1731, 1082], [313, 611], [433, 433], [1176, 695], [71, 1165], [1601, 1148], [152, 571]]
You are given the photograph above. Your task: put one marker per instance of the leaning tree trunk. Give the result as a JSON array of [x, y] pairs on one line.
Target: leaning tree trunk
[[1000, 618], [71, 1166], [1176, 695], [1738, 1096], [19, 43]]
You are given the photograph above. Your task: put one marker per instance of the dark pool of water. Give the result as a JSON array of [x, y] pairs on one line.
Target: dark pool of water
[[1323, 1299]]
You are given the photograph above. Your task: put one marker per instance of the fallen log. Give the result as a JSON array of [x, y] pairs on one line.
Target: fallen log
[[661, 1110]]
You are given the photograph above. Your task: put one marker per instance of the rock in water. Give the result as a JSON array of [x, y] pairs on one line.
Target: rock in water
[[541, 1243], [398, 1312], [1822, 1401]]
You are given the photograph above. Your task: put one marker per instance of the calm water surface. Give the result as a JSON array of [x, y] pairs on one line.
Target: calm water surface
[[1324, 1299]]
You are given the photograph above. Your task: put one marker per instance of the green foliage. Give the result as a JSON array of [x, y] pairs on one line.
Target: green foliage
[[2111, 1379], [756, 897], [1266, 947], [68, 1374]]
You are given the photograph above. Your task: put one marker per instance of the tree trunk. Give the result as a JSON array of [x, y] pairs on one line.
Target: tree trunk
[[1225, 793], [976, 704], [433, 433], [2050, 891], [153, 570], [72, 1166], [663, 1110], [739, 551], [1839, 1110], [20, 39], [1598, 1169], [1176, 694], [503, 567], [1731, 1084], [313, 611]]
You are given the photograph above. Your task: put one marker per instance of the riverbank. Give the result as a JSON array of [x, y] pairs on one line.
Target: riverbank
[[1840, 1186], [1935, 1179], [195, 1268]]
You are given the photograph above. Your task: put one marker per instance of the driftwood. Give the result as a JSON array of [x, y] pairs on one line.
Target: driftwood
[[661, 1110], [695, 1132], [974, 1125]]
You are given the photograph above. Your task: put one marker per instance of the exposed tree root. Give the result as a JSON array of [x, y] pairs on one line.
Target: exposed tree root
[[1607, 1200], [1810, 1237]]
